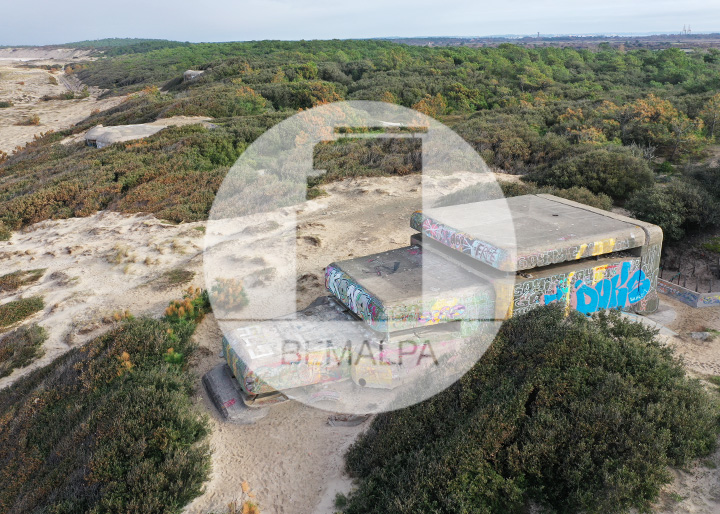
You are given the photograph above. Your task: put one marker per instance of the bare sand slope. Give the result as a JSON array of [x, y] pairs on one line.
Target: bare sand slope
[[24, 87], [94, 267], [44, 54]]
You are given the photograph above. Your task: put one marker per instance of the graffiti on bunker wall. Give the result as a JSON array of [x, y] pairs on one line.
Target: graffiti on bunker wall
[[354, 296], [610, 286], [458, 240], [468, 306], [572, 253]]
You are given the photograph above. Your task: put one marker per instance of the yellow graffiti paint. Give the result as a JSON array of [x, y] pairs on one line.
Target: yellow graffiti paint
[[599, 273], [581, 251], [569, 292], [604, 246]]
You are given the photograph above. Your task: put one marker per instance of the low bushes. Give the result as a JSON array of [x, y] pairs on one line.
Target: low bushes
[[108, 427], [29, 120], [484, 191], [20, 347], [16, 279], [616, 173], [18, 310], [571, 413], [348, 157], [4, 230], [678, 208]]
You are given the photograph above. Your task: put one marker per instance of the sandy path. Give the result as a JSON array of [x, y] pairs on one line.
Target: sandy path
[[24, 86], [696, 489]]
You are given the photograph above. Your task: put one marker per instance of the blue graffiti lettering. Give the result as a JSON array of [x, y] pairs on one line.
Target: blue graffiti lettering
[[609, 293]]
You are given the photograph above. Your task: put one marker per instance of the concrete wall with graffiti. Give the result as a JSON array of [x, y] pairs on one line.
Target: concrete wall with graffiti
[[465, 243], [619, 285], [687, 296], [408, 314]]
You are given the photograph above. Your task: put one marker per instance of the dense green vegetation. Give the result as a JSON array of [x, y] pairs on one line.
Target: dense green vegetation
[[607, 120], [108, 427], [570, 413], [120, 46], [509, 189], [20, 347]]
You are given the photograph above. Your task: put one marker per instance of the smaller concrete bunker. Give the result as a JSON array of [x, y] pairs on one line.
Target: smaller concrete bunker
[[99, 137]]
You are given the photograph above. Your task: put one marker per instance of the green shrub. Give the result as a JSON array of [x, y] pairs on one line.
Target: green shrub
[[713, 244], [575, 414], [666, 168], [108, 427], [617, 174], [18, 310], [20, 347], [678, 208], [5, 233], [4, 104], [192, 308], [478, 192]]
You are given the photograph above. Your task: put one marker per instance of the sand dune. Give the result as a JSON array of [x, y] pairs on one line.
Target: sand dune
[[24, 87]]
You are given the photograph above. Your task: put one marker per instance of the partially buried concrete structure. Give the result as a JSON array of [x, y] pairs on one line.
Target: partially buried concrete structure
[[99, 137], [464, 267]]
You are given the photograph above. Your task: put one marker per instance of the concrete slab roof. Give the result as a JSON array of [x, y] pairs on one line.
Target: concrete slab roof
[[399, 289], [121, 133], [532, 231]]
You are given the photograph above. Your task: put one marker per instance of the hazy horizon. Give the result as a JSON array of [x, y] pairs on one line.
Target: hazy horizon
[[250, 20]]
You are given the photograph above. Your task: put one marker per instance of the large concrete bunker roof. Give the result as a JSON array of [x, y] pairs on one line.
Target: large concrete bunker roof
[[547, 230]]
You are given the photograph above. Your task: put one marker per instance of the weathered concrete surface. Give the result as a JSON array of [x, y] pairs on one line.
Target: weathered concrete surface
[[407, 288], [102, 136], [547, 230], [689, 297], [262, 356], [224, 392]]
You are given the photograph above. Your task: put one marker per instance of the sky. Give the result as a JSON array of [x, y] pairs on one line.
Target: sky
[[52, 21]]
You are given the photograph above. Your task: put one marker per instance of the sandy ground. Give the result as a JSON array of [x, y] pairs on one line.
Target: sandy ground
[[96, 266], [24, 86]]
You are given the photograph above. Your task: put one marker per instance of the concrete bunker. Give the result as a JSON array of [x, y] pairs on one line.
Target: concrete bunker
[[563, 252], [99, 137]]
